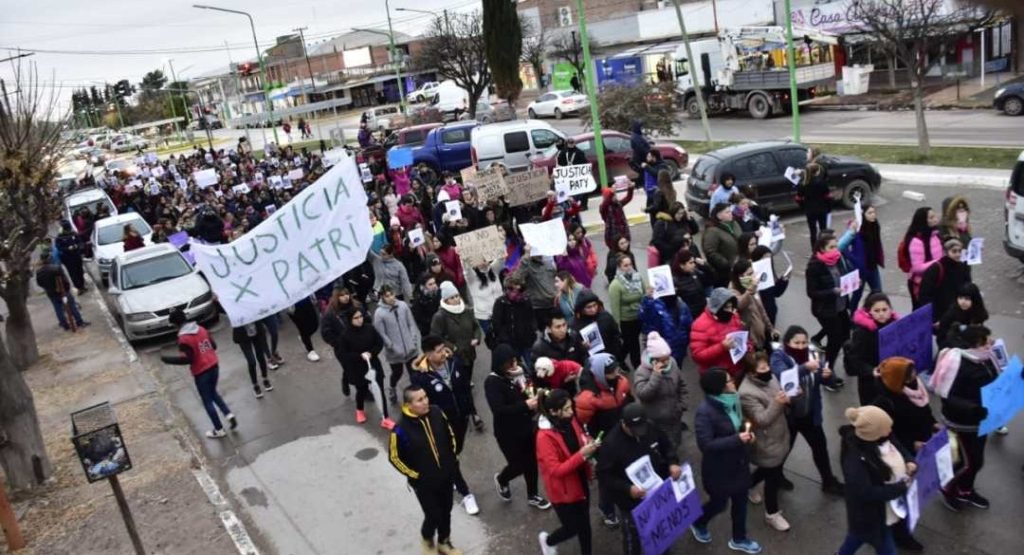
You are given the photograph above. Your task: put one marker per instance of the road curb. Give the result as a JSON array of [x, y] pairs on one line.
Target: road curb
[[944, 179]]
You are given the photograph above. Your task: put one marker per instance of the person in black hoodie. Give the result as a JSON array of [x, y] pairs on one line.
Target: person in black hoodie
[[512, 320], [425, 303], [689, 283], [824, 271], [942, 281], [589, 309], [558, 342], [70, 247], [358, 352], [513, 404], [672, 229], [632, 438], [423, 448], [877, 470], [969, 309]]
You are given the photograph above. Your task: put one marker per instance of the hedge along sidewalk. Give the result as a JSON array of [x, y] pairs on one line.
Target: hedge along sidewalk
[[965, 158]]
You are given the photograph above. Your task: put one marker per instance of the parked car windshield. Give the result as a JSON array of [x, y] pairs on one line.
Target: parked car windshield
[[704, 170], [154, 270], [114, 233]]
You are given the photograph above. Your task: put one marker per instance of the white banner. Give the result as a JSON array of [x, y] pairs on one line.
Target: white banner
[[323, 232], [575, 180]]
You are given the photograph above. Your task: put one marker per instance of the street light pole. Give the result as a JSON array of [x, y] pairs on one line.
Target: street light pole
[[184, 101], [791, 62], [595, 115], [698, 91], [312, 82], [259, 55]]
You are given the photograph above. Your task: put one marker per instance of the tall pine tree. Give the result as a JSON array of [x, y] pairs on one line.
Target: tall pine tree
[[503, 40]]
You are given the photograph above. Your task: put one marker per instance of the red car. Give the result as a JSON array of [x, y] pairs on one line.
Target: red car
[[617, 154]]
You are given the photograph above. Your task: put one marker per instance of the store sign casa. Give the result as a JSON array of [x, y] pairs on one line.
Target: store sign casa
[[832, 17]]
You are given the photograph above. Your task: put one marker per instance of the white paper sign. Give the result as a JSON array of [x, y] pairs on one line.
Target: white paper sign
[[858, 212], [453, 210], [828, 221], [241, 188], [778, 231], [641, 473], [546, 238], [275, 181], [132, 185], [154, 188], [999, 354], [944, 463], [660, 278], [913, 507], [205, 178], [849, 283], [592, 335], [577, 180], [685, 484], [158, 172], [972, 253], [764, 274], [764, 236], [416, 237], [323, 232], [296, 174], [740, 345], [562, 193], [794, 175], [790, 381]]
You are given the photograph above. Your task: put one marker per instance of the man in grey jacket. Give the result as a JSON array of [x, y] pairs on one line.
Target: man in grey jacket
[[538, 275], [658, 385], [394, 322]]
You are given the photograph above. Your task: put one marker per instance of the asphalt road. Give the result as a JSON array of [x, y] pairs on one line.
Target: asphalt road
[[309, 480], [946, 127]]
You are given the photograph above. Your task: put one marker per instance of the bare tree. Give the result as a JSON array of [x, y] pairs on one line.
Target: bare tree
[[568, 47], [906, 30], [454, 48], [30, 145], [621, 105], [536, 43]]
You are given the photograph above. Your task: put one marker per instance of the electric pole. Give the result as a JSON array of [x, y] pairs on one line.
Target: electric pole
[[312, 82]]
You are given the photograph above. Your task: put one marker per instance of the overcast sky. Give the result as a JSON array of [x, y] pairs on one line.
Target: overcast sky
[[133, 25]]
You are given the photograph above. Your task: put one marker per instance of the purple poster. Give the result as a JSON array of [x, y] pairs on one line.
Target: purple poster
[[179, 239], [661, 519], [911, 337], [927, 468]]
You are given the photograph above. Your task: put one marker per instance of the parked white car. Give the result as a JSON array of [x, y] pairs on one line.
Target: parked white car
[[558, 104], [90, 199], [1013, 242], [129, 144], [425, 92], [147, 283], [107, 237]]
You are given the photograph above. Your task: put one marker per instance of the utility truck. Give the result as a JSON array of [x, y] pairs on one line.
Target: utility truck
[[745, 69]]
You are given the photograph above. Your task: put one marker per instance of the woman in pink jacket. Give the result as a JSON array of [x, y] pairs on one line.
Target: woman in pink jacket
[[922, 247]]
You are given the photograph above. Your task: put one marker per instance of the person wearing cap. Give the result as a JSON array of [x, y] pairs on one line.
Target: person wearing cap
[[658, 385], [630, 439], [513, 403], [709, 341], [70, 247], [723, 439], [942, 280], [559, 342], [51, 278], [423, 448], [877, 470], [449, 388], [457, 326], [199, 352], [721, 242]]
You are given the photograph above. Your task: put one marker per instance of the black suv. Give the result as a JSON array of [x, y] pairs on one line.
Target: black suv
[[760, 170]]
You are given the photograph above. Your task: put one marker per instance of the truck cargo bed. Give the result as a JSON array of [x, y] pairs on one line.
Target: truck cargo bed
[[806, 76]]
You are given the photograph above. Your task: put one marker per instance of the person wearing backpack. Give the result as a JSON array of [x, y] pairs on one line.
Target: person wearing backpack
[[920, 248], [942, 281]]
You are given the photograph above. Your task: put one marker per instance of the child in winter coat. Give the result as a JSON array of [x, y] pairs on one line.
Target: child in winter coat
[[659, 386]]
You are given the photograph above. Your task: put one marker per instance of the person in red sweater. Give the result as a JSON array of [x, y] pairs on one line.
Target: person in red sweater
[[132, 239], [562, 452], [199, 352], [557, 374], [709, 343]]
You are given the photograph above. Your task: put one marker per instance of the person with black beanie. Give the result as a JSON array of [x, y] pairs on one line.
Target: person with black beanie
[[513, 404]]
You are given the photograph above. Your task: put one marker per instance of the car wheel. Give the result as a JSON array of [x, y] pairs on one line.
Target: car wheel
[[558, 114], [531, 113], [1013, 106], [857, 187], [673, 168], [759, 107], [692, 108]]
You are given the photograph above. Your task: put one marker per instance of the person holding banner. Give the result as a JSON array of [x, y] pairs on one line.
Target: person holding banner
[[828, 306], [877, 470], [563, 449], [725, 470], [959, 375]]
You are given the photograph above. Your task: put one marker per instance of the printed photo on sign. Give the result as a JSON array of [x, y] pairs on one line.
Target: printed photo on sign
[[641, 473], [999, 354], [794, 175], [416, 237], [764, 274], [453, 209], [790, 381], [739, 347], [240, 189], [592, 336], [849, 283], [972, 252], [660, 278], [364, 173], [561, 191], [275, 181]]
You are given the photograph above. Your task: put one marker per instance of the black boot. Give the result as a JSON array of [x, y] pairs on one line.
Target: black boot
[[904, 539]]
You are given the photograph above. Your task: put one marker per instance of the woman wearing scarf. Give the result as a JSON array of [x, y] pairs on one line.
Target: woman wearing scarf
[[805, 417], [458, 327], [720, 243], [725, 470], [562, 452], [861, 358], [624, 296], [824, 271], [877, 470]]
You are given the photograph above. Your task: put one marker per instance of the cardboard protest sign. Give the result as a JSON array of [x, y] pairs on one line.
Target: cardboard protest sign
[[205, 178], [526, 187], [399, 157], [667, 512], [577, 180], [545, 239], [1003, 398], [489, 183], [928, 475], [323, 232], [911, 337], [467, 174], [482, 245]]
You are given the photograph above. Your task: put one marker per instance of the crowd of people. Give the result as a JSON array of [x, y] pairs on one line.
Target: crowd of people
[[580, 386]]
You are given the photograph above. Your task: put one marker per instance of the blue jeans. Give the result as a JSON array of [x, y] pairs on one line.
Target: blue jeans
[[716, 505], [872, 279], [206, 384], [58, 307], [272, 324], [485, 326], [852, 543]]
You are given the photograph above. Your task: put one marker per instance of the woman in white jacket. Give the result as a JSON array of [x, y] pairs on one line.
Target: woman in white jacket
[[483, 282], [396, 325]]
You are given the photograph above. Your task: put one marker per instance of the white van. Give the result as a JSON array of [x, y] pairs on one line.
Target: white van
[[90, 199], [1014, 213], [449, 97], [511, 143]]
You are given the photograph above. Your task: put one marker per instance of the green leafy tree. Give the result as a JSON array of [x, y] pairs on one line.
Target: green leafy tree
[[621, 105], [30, 146], [503, 38]]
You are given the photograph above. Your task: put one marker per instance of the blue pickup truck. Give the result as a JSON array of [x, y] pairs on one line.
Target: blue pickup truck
[[447, 148]]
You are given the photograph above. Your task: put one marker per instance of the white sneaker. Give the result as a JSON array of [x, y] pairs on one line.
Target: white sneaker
[[754, 496], [776, 521], [1002, 431], [273, 365], [546, 549], [312, 356], [469, 503], [215, 434]]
